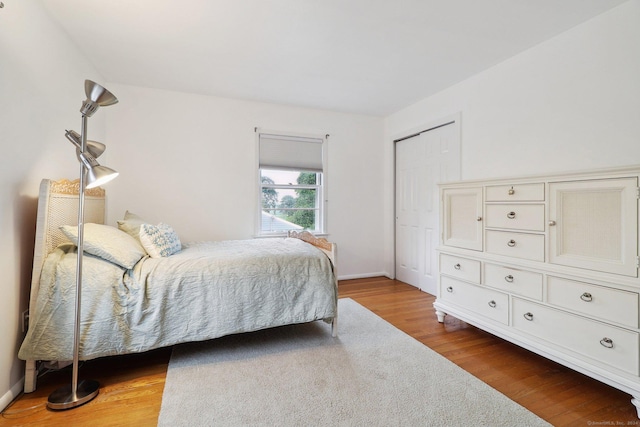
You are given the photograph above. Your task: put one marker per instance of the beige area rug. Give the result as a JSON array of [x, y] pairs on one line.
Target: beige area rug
[[373, 374]]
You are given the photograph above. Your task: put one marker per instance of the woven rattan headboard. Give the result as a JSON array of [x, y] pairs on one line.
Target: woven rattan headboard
[[58, 205]]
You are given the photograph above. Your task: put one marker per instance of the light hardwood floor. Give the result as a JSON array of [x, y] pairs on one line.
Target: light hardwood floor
[[131, 386]]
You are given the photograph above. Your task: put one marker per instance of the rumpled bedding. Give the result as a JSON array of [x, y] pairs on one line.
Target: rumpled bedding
[[205, 291]]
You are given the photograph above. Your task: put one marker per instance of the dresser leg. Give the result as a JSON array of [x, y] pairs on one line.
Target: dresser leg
[[636, 403], [440, 315]]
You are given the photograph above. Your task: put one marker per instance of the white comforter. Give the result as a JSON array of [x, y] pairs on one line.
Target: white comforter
[[207, 290]]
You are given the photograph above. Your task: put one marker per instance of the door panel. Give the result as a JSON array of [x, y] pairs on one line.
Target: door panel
[[462, 218], [407, 211], [593, 225], [422, 162]]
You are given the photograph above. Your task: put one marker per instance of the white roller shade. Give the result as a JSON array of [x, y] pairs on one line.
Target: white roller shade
[[290, 152]]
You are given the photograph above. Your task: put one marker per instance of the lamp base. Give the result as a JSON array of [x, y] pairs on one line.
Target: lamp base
[[64, 398]]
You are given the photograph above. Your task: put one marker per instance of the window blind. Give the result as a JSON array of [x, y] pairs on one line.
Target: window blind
[[290, 152]]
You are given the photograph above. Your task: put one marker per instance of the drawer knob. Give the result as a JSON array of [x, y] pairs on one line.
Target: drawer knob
[[450, 289], [457, 266], [511, 215], [492, 304], [607, 342], [528, 315], [552, 223], [509, 278], [586, 297], [512, 191], [479, 219], [511, 243]]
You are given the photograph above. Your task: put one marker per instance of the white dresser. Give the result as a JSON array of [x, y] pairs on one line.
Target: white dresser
[[549, 263]]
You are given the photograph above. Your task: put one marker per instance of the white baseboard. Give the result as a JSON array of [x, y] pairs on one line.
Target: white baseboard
[[8, 397], [363, 276]]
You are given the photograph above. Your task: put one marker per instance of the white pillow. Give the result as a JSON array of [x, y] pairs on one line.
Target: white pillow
[[131, 224], [159, 240], [107, 243]]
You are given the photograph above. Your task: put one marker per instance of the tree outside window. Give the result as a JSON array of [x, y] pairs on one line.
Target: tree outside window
[[290, 200]]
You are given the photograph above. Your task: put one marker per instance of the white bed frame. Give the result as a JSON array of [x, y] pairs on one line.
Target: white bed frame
[[58, 205]]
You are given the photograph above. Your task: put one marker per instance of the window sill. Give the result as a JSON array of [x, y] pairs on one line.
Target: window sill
[[280, 235]]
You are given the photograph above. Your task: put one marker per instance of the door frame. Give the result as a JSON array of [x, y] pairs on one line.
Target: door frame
[[453, 120]]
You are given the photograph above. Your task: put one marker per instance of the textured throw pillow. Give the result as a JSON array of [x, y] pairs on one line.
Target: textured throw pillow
[[108, 243], [159, 240], [131, 224]]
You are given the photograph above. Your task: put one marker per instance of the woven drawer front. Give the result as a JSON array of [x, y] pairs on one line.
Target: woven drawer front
[[588, 339]]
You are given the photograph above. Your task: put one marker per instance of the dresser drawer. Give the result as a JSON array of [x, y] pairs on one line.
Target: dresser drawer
[[518, 245], [462, 268], [486, 302], [514, 216], [611, 305], [517, 192], [587, 338], [519, 282]]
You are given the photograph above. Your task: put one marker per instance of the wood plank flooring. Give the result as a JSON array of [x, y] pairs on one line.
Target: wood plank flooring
[[131, 386]]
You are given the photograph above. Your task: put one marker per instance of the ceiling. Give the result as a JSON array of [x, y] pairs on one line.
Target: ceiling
[[370, 57]]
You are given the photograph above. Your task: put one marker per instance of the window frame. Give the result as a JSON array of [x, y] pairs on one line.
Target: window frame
[[320, 186]]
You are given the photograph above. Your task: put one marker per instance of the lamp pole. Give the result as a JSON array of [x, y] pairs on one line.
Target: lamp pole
[[80, 256], [83, 391], [78, 393]]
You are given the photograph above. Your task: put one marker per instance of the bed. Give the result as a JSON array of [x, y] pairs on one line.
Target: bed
[[202, 291]]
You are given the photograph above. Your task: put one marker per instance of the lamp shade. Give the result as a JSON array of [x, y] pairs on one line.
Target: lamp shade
[[94, 148], [97, 96], [100, 175], [96, 174]]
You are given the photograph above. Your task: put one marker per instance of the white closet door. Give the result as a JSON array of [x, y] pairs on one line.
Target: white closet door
[[422, 162], [409, 174]]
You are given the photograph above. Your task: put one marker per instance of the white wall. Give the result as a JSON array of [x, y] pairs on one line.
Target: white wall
[[570, 103], [190, 161], [42, 87]]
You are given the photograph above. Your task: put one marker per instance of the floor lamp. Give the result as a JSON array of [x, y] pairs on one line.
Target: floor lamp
[[91, 175]]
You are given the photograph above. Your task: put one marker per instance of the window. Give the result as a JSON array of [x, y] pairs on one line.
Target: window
[[291, 171]]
